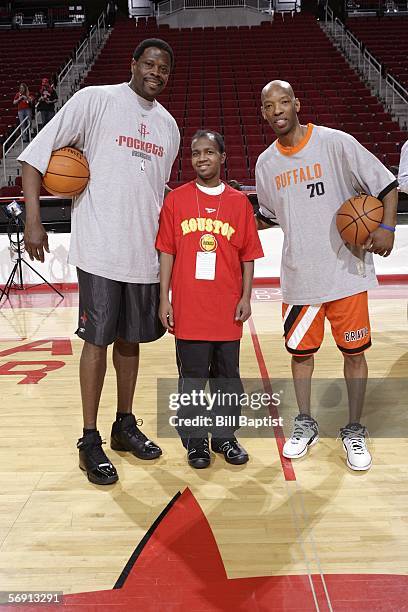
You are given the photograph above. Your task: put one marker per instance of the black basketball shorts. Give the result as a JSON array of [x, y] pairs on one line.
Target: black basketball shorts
[[111, 309]]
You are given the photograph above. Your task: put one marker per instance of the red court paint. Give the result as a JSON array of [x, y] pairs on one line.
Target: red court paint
[[177, 567], [287, 466], [180, 568]]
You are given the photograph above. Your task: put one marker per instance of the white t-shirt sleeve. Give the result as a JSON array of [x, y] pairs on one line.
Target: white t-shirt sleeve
[[66, 128], [174, 147], [368, 172], [266, 207], [403, 169]]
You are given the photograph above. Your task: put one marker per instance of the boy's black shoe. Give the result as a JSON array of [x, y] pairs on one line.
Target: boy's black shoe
[[233, 452], [198, 453], [126, 436], [93, 460]]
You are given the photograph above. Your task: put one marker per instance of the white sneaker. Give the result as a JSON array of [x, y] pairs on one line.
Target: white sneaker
[[354, 443], [305, 434]]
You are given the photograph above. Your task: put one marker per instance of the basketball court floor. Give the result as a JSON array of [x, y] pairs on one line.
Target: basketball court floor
[[269, 535]]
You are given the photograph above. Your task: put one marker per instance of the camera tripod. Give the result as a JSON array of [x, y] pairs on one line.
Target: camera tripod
[[18, 269]]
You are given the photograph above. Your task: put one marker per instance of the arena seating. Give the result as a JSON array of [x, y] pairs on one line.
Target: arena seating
[[387, 39], [219, 75], [28, 56]]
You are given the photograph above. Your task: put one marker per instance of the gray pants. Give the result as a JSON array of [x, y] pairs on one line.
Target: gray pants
[[46, 116], [22, 114]]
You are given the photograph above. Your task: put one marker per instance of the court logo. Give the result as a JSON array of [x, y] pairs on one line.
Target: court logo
[[208, 243], [143, 130]]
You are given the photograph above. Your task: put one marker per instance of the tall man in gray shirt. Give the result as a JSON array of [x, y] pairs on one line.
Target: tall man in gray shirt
[[301, 181], [130, 142]]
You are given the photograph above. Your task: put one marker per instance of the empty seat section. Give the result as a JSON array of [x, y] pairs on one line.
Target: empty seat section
[[219, 75]]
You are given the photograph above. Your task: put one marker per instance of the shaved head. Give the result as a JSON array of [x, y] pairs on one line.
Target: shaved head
[[284, 86], [280, 108]]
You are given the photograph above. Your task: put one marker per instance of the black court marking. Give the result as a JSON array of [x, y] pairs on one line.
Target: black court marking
[[129, 565]]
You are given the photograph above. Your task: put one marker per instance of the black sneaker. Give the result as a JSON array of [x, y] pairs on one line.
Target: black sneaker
[[126, 436], [198, 453], [233, 452], [93, 460]]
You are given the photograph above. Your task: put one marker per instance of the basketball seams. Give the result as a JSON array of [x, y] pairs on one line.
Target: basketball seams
[[373, 210], [80, 162], [63, 153], [351, 222]]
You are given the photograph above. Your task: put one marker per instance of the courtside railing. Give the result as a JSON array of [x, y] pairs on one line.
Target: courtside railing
[[84, 55], [66, 79], [23, 128], [386, 87]]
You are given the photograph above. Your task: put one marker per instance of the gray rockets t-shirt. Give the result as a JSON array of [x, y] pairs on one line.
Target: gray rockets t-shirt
[[130, 145], [302, 188]]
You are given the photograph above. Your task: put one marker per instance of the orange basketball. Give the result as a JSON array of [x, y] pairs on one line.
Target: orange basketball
[[67, 174], [357, 217]]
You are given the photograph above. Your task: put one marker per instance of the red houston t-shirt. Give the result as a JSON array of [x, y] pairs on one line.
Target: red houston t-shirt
[[192, 221]]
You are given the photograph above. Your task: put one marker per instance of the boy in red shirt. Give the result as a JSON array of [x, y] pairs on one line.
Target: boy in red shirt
[[208, 242]]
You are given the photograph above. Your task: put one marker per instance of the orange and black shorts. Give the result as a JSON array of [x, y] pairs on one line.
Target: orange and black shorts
[[348, 317]]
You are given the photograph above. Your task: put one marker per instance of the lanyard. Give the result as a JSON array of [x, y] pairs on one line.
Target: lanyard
[[218, 208]]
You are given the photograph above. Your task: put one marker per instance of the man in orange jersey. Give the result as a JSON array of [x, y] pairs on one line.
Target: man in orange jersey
[[301, 181]]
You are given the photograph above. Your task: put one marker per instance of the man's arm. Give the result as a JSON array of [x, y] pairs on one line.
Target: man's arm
[[381, 241], [35, 236], [243, 309], [261, 225], [263, 222], [403, 169], [165, 308]]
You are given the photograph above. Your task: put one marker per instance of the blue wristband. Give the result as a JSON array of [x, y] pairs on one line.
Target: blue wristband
[[390, 228]]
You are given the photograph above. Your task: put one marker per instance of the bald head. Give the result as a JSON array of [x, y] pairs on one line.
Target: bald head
[[280, 108], [275, 86]]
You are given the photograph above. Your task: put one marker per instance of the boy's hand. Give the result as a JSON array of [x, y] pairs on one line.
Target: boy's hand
[[243, 310], [166, 314]]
